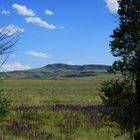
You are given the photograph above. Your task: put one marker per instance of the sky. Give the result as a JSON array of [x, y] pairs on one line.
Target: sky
[[74, 32]]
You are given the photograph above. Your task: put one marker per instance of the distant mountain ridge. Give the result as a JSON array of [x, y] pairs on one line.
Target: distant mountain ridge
[[58, 70], [77, 67]]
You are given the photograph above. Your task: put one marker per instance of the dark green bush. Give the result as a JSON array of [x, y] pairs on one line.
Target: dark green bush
[[4, 107], [121, 97]]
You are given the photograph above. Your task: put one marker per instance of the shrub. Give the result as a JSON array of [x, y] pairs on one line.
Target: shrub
[[120, 96], [4, 107]]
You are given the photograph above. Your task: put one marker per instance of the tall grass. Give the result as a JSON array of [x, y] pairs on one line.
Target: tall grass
[[64, 109]]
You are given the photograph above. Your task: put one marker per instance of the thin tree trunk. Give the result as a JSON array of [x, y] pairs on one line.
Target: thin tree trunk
[[138, 92], [137, 136]]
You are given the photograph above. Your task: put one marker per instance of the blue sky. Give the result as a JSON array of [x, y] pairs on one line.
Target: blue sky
[[64, 31]]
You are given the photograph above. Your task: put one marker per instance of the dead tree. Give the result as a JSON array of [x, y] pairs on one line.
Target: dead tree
[[8, 41]]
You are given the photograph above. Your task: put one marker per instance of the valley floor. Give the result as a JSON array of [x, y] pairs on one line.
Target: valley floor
[[60, 109]]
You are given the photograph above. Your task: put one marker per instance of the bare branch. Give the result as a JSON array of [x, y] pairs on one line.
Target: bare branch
[[7, 44]]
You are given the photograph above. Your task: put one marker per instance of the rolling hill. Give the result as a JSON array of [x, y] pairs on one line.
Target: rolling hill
[[53, 71]]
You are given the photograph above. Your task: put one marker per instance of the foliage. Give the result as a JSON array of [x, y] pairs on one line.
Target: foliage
[[125, 42], [124, 95], [4, 107], [4, 104], [119, 95]]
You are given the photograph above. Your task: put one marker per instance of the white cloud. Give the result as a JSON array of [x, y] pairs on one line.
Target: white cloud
[[11, 30], [63, 28], [14, 66], [5, 12], [39, 54], [23, 10], [69, 63], [40, 22], [49, 13], [112, 5]]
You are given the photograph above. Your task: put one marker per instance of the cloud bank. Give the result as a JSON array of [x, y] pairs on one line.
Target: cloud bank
[[49, 13], [40, 22], [39, 54], [23, 10], [5, 12], [11, 30], [14, 66]]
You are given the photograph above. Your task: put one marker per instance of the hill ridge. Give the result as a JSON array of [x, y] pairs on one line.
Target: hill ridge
[[58, 70]]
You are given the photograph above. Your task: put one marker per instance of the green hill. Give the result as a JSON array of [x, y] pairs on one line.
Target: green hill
[[53, 71]]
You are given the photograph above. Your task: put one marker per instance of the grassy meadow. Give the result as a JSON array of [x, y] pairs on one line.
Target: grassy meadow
[[59, 109]]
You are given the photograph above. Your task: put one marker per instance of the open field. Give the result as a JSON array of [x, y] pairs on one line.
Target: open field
[[61, 109]]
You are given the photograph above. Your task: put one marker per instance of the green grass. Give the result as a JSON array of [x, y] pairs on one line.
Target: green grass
[[33, 114], [66, 91]]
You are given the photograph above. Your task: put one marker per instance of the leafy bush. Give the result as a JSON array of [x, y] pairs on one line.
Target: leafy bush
[[120, 96], [4, 107]]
